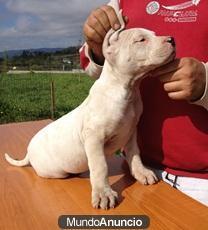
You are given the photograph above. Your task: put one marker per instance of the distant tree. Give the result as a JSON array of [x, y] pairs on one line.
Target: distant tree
[[25, 54]]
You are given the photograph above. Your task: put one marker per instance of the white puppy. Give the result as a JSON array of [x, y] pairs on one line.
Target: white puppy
[[106, 121]]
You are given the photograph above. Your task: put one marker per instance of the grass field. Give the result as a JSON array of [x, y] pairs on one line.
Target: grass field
[[27, 97]]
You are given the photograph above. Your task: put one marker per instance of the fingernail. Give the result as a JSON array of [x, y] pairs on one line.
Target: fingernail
[[116, 26]]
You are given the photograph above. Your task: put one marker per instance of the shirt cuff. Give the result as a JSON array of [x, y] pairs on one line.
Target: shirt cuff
[[93, 69], [203, 101]]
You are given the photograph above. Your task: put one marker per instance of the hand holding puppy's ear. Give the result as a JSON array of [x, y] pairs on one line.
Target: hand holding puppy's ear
[[99, 22]]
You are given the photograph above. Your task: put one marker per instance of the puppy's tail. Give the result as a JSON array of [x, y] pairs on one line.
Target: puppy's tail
[[19, 163]]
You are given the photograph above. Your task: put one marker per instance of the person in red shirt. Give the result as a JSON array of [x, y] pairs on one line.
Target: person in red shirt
[[173, 130]]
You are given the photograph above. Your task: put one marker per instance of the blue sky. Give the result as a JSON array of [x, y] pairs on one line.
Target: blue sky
[[26, 24]]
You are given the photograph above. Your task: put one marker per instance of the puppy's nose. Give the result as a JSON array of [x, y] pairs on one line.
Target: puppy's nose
[[171, 41]]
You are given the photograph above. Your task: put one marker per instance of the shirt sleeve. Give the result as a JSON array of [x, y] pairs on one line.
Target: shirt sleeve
[[86, 60], [87, 63], [203, 101]]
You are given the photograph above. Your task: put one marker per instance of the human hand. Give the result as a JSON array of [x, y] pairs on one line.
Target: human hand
[[95, 28], [184, 79]]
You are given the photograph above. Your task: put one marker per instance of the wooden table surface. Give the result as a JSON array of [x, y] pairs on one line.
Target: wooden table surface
[[30, 202]]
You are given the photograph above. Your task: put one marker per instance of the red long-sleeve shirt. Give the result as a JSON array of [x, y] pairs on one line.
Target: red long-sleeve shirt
[[173, 135]]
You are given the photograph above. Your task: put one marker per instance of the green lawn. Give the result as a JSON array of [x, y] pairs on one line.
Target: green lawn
[[27, 97]]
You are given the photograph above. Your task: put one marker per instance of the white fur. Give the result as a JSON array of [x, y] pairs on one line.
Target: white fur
[[105, 121]]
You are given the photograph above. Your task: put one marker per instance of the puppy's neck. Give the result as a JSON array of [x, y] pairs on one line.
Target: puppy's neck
[[113, 75]]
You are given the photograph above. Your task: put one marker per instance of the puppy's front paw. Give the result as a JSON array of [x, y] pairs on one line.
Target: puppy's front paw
[[144, 176], [104, 198]]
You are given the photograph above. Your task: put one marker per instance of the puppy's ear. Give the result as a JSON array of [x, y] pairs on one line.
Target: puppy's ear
[[109, 38], [109, 47]]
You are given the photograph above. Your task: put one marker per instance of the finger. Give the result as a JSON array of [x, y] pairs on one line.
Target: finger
[[174, 86], [165, 69], [112, 16], [180, 95], [169, 77], [92, 35], [103, 19], [96, 24]]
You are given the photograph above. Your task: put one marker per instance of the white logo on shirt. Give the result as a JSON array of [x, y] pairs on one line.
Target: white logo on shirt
[[174, 13], [182, 6]]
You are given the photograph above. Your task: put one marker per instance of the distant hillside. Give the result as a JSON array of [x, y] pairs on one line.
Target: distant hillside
[[41, 59], [13, 53]]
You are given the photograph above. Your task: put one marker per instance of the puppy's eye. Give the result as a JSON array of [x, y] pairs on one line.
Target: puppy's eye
[[140, 40]]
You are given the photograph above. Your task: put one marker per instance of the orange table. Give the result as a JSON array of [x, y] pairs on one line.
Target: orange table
[[30, 202]]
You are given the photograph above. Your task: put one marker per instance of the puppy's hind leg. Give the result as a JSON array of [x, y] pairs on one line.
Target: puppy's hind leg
[[19, 163]]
